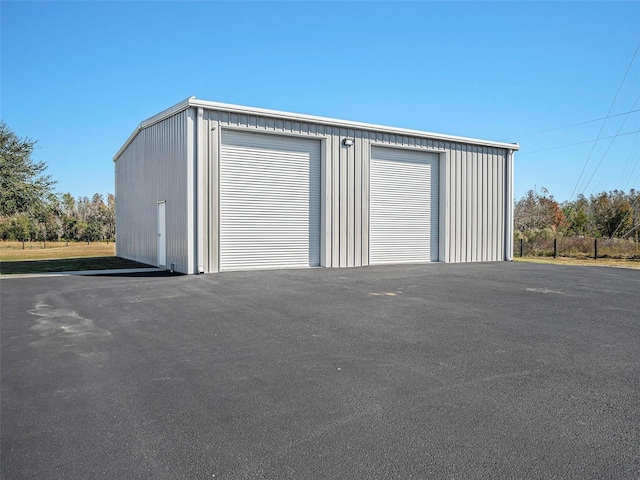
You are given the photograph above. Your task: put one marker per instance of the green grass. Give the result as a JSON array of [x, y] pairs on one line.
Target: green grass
[[14, 251], [60, 257], [67, 265]]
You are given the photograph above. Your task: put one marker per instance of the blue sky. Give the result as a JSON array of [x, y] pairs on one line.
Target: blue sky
[[79, 76]]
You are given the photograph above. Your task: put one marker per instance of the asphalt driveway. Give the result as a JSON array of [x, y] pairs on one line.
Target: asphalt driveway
[[429, 371]]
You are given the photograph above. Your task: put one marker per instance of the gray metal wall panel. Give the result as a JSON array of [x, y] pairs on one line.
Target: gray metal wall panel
[[343, 185], [334, 186], [358, 180], [364, 207], [473, 191], [153, 168], [351, 190], [509, 207]]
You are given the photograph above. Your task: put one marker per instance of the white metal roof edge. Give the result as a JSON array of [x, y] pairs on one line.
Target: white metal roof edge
[[227, 107], [177, 108], [347, 123]]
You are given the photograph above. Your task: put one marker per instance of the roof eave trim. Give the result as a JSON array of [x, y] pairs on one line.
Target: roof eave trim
[[347, 123], [227, 107], [177, 108]]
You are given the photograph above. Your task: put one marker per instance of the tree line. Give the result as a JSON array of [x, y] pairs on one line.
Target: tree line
[[30, 209], [613, 214]]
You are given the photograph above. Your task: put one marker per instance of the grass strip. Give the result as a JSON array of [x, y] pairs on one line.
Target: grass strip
[[600, 262], [67, 265]]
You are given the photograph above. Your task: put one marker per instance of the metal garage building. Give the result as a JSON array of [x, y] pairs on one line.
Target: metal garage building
[[209, 187]]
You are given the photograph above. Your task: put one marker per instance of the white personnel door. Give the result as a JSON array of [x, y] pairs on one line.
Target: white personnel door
[[162, 238], [403, 206]]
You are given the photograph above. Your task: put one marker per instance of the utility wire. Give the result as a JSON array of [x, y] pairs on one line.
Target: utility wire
[[632, 172], [605, 121], [631, 88], [633, 207], [632, 229], [572, 125], [578, 143], [630, 161], [632, 167], [609, 147]]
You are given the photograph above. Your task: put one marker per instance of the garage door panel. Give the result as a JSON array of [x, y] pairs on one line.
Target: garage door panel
[[403, 206], [269, 201]]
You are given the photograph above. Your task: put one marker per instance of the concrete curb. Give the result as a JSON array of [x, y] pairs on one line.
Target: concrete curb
[[83, 273]]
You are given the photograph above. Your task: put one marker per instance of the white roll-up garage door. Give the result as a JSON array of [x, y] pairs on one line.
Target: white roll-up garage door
[[269, 201], [403, 206]]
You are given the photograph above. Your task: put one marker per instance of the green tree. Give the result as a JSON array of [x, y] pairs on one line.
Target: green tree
[[81, 230], [19, 228], [110, 217], [23, 182], [69, 227], [612, 213], [577, 216], [68, 217], [68, 204], [94, 231]]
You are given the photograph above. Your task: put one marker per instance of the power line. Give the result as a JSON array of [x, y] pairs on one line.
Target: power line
[[636, 181], [605, 121], [579, 143], [631, 88], [608, 148], [633, 206], [630, 164], [630, 231], [572, 125], [632, 172]]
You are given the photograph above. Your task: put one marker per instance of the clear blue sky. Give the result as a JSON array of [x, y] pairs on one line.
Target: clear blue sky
[[79, 76]]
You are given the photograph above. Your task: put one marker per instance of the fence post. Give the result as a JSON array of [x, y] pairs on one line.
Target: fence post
[[521, 247], [595, 248], [555, 248]]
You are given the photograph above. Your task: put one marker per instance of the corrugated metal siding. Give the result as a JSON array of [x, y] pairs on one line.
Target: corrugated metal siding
[[154, 168], [472, 184], [475, 194]]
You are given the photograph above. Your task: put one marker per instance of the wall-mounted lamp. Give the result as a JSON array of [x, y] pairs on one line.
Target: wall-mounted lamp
[[347, 142]]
